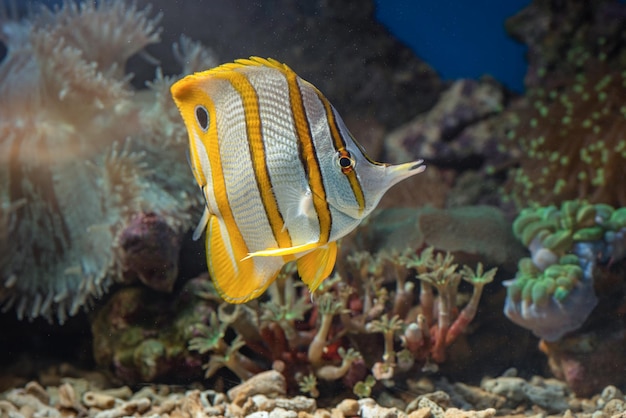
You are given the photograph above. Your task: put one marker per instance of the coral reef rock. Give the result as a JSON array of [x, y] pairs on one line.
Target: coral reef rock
[[456, 131], [84, 157], [587, 362], [568, 129], [141, 336]]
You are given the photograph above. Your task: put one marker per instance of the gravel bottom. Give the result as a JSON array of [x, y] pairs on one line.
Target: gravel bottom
[[265, 396]]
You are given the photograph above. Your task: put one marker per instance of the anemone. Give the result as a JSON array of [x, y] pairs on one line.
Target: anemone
[[81, 154]]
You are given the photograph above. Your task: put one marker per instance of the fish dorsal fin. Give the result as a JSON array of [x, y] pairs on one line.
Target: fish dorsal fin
[[237, 281], [250, 62], [317, 265], [202, 224]]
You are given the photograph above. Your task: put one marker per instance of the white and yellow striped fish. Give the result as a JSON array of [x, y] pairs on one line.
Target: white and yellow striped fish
[[282, 177]]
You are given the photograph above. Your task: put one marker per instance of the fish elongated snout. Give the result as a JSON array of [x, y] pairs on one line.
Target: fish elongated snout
[[377, 178], [396, 173]]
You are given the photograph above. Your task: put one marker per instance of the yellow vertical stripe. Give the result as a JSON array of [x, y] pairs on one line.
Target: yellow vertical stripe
[[254, 132], [340, 144], [308, 155], [237, 243], [194, 157]]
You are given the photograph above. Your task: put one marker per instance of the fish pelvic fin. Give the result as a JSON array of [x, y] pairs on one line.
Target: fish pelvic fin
[[236, 280], [202, 224], [317, 265], [282, 252]]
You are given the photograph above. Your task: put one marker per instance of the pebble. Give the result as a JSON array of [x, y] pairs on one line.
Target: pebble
[[259, 414], [458, 413], [98, 400], [435, 410], [283, 413], [266, 397], [420, 413], [348, 407], [270, 383], [298, 403], [370, 409]]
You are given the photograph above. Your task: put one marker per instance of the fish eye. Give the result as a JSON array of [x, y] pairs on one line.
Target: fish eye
[[202, 117], [346, 162]]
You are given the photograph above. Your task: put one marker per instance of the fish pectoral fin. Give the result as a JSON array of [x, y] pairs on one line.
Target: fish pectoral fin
[[317, 265], [236, 281], [299, 206], [279, 252], [201, 227]]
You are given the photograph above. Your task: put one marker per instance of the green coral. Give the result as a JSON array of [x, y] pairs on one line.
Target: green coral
[[535, 286], [363, 389], [211, 336], [558, 229], [308, 384]]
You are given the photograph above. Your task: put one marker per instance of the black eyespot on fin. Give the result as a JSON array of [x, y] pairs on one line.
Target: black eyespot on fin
[[202, 117]]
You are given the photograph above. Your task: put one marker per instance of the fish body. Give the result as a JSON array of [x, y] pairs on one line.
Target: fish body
[[282, 176]]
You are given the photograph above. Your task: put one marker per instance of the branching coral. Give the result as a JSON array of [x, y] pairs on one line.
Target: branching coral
[[328, 308], [82, 167], [328, 336], [388, 327], [331, 372], [308, 384], [438, 271], [211, 339], [553, 291]]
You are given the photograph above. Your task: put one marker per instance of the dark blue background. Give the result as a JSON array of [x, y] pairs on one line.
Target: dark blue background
[[459, 38]]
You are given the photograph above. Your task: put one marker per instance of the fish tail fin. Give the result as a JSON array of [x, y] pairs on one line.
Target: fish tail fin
[[237, 280], [317, 265]]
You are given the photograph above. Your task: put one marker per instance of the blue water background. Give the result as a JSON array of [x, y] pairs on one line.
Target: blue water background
[[459, 38]]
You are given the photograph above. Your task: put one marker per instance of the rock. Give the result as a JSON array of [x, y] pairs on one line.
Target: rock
[[454, 130], [458, 413], [136, 350], [348, 407], [370, 409], [270, 383], [98, 400], [478, 397], [550, 395], [263, 403], [587, 361], [435, 410], [258, 414], [420, 413], [283, 413]]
